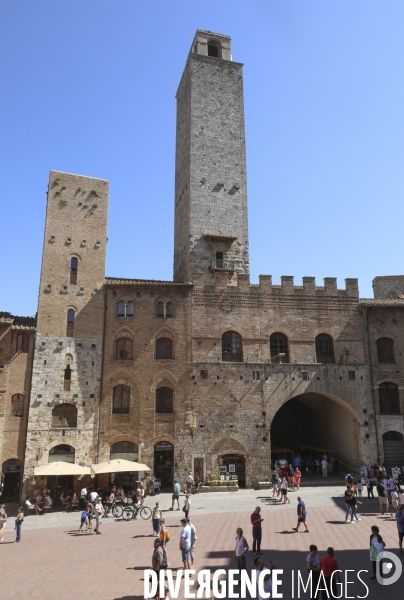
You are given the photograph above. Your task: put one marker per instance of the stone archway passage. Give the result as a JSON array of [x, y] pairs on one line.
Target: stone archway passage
[[316, 420]]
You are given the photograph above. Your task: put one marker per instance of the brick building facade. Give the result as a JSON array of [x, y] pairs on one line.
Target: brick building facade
[[207, 369]]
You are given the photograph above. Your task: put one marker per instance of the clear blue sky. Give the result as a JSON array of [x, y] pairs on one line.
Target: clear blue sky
[[88, 87]]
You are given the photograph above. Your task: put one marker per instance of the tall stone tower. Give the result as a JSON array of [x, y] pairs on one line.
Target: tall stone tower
[[64, 404], [211, 229]]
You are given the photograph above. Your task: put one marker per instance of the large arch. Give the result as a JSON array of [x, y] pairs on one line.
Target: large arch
[[318, 420]]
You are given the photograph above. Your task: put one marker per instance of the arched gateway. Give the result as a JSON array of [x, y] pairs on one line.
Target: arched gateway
[[319, 420]]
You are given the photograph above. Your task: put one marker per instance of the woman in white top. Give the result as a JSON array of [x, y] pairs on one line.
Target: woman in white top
[[3, 520], [377, 545], [156, 516], [241, 549], [284, 490]]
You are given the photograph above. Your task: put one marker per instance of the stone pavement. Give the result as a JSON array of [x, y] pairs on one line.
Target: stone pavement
[[53, 561]]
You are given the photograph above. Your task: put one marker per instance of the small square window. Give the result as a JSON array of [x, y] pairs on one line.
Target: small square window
[[351, 375], [92, 396], [305, 375], [204, 374], [256, 375], [39, 395], [44, 362], [93, 346], [76, 396]]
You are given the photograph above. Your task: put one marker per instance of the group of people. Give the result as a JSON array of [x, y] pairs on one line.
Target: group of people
[[317, 466], [18, 521]]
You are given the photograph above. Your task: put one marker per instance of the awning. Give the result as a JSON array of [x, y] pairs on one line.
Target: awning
[[118, 465], [279, 450], [61, 468]]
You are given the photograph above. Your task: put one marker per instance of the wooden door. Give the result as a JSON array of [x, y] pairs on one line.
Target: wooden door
[[198, 468]]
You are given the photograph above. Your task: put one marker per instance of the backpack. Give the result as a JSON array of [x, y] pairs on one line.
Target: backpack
[[164, 562], [349, 479], [168, 536]]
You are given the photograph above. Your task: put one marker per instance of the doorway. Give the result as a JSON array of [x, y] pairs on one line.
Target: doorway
[[234, 465], [393, 448], [12, 480], [164, 465], [198, 469]]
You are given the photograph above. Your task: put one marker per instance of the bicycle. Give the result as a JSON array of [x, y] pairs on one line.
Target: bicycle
[[130, 512], [115, 509]]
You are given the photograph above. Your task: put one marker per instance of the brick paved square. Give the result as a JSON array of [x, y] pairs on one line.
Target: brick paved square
[[54, 562]]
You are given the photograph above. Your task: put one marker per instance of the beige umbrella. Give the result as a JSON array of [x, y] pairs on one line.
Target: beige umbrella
[[118, 465], [61, 468]]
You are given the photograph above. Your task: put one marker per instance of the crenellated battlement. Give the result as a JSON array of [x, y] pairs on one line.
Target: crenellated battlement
[[223, 280]]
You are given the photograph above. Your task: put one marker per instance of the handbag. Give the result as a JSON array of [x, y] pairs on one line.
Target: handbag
[[184, 509], [373, 553]]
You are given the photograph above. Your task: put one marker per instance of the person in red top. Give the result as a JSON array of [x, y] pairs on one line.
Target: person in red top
[[256, 521], [328, 565]]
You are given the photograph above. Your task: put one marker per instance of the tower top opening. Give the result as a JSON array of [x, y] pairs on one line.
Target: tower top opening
[[212, 44]]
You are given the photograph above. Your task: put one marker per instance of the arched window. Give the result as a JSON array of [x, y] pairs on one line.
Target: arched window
[[393, 447], [67, 378], [232, 347], [385, 350], [64, 415], [74, 264], [389, 400], [63, 453], [164, 400], [121, 399], [125, 450], [23, 343], [17, 405], [214, 49], [324, 348], [164, 348], [125, 309], [70, 323], [278, 343], [160, 310], [124, 349], [169, 310]]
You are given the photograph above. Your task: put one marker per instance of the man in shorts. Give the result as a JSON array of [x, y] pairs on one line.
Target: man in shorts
[[98, 512], [383, 498], [301, 515], [185, 543], [193, 540], [176, 495]]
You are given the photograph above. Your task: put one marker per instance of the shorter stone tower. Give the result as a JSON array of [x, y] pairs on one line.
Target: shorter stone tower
[[211, 230], [64, 405]]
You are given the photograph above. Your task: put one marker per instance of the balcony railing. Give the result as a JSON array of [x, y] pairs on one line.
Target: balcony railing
[[224, 265]]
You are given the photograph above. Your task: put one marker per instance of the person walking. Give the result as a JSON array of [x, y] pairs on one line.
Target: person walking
[[190, 482], [298, 477], [193, 540], [3, 521], [376, 545], [383, 498], [399, 516], [90, 509], [291, 478], [83, 497], [240, 550], [267, 580], [301, 515], [176, 495], [394, 500], [284, 490], [187, 505], [164, 538], [256, 522], [275, 484], [324, 468], [349, 500], [98, 511], [156, 516], [84, 520], [369, 487], [313, 567], [158, 557], [18, 524], [329, 567], [185, 543]]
